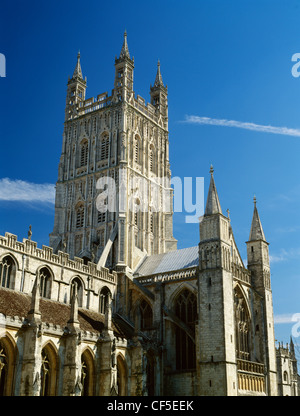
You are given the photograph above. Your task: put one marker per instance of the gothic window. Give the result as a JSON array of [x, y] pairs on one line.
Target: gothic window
[[77, 282], [45, 374], [80, 216], [186, 311], [285, 377], [103, 299], [242, 326], [45, 282], [84, 153], [3, 369], [7, 272], [146, 315], [121, 376], [87, 370], [101, 217], [104, 147]]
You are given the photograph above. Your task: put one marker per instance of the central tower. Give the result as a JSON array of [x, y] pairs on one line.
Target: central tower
[[113, 195]]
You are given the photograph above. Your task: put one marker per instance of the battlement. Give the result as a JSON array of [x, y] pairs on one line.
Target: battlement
[[103, 101], [61, 259]]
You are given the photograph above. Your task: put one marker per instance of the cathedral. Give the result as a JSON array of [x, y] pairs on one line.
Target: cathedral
[[111, 307]]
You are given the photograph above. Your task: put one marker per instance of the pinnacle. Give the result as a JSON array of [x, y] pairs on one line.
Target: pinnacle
[[78, 71], [212, 204], [256, 232]]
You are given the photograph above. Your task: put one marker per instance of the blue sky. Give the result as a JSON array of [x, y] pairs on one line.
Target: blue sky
[[222, 61]]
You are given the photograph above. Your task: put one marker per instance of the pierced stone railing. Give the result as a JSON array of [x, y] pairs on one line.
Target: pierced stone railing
[[251, 376]]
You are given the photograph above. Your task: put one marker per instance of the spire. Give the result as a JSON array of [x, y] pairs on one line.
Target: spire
[[212, 204], [158, 80], [125, 51], [77, 71], [256, 232]]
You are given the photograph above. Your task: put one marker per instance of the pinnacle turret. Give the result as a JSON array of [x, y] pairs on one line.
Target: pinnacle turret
[[77, 71], [125, 51], [158, 79], [212, 204]]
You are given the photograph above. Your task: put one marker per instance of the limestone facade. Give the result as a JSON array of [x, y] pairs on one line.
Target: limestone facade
[[112, 307]]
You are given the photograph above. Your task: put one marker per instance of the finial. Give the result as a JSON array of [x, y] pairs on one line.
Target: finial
[[228, 212], [78, 55], [211, 169], [254, 200]]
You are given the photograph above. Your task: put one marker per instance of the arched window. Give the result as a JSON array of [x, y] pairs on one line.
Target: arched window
[[146, 315], [103, 299], [78, 282], [7, 272], [84, 153], [242, 326], [285, 377], [87, 374], [104, 146], [45, 374], [79, 216], [3, 369], [121, 376], [186, 311], [48, 372], [45, 282], [7, 365]]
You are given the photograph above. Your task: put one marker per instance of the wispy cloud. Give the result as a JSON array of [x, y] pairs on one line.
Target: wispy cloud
[[22, 191], [241, 125], [292, 253]]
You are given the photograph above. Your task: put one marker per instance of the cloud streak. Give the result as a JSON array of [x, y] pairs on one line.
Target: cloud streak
[[241, 125], [23, 191]]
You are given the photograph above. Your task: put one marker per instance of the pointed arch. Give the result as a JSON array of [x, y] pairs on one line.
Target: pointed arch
[[8, 358], [185, 308], [46, 278], [87, 372], [104, 295], [8, 272], [49, 369], [104, 146], [80, 289], [242, 316], [121, 375], [84, 150], [79, 213]]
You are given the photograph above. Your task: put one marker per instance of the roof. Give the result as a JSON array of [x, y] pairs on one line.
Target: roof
[[14, 303], [166, 262]]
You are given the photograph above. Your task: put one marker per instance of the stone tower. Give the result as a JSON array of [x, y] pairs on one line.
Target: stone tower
[[217, 358], [113, 194], [259, 265]]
